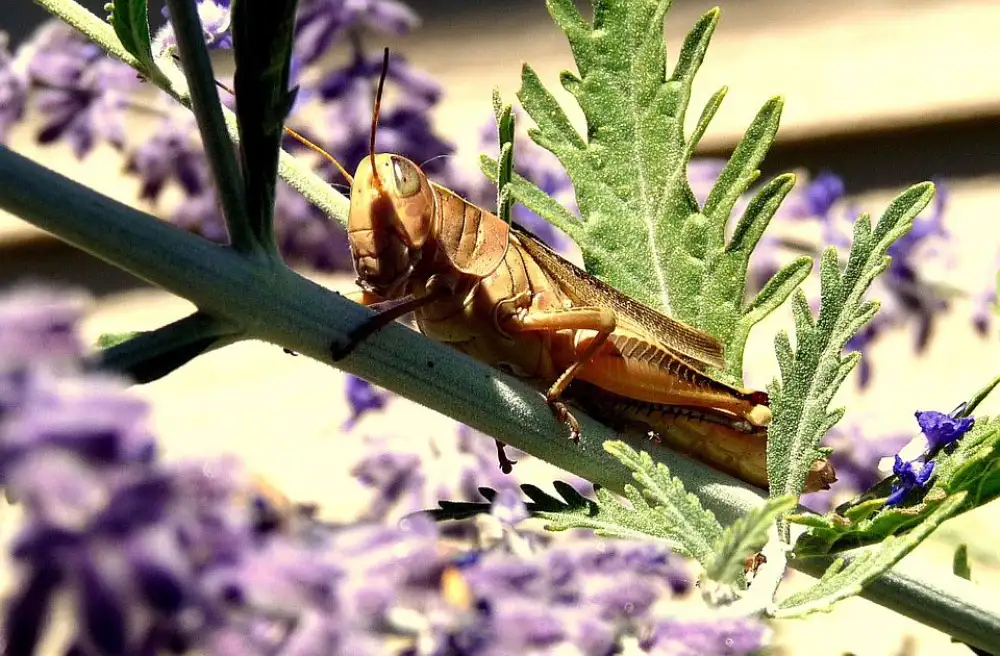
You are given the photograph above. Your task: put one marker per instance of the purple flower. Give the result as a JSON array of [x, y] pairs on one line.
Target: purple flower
[[814, 200], [856, 456], [321, 22], [363, 397], [216, 21], [81, 93], [942, 430], [912, 475], [36, 324], [201, 214], [173, 153], [13, 89]]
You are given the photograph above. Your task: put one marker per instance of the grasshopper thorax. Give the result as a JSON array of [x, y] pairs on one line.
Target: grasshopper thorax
[[392, 210]]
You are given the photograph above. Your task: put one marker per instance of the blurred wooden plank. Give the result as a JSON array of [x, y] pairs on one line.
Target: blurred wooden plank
[[842, 67]]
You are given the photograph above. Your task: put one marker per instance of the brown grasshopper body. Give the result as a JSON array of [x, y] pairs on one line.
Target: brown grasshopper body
[[494, 292]]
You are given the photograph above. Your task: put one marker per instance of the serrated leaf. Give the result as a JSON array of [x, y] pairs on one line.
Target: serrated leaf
[[743, 538], [607, 516], [680, 512], [781, 285], [262, 44], [841, 582], [641, 229], [130, 20], [505, 161], [812, 372], [538, 201]]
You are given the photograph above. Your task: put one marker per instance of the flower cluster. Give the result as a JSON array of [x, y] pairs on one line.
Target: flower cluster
[[858, 458], [196, 555], [938, 431]]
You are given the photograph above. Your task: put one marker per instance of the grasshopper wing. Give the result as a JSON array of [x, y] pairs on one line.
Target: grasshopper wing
[[695, 347]]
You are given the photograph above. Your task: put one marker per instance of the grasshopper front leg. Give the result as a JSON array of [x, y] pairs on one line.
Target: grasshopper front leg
[[601, 320], [385, 313]]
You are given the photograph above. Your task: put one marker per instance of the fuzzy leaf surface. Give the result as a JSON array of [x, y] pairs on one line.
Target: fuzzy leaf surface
[[813, 370]]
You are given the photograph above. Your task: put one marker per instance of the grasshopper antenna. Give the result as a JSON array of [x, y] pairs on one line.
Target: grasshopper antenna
[[378, 103]]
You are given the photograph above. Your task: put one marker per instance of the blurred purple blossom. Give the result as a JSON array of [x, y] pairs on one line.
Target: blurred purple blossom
[[339, 83], [215, 24], [173, 153], [408, 473], [362, 398], [13, 89], [320, 23], [81, 92], [711, 638], [985, 302]]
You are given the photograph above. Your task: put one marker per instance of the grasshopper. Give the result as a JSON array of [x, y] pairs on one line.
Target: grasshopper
[[493, 291]]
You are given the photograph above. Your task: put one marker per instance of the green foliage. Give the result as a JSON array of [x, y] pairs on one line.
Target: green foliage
[[812, 371], [641, 228], [262, 41], [658, 508], [744, 538], [607, 516], [505, 162], [679, 513], [150, 355], [843, 580], [130, 20], [971, 470], [960, 563], [107, 340]]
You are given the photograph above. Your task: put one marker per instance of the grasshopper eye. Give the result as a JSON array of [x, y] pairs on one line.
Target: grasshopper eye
[[407, 177]]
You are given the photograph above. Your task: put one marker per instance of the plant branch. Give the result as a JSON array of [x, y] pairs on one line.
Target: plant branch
[[151, 355], [947, 603], [277, 305], [211, 124]]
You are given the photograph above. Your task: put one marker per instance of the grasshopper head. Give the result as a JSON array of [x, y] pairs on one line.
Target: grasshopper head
[[392, 208]]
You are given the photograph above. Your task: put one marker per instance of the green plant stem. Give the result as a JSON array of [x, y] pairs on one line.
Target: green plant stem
[[211, 124], [272, 303], [297, 174], [150, 355], [947, 603]]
